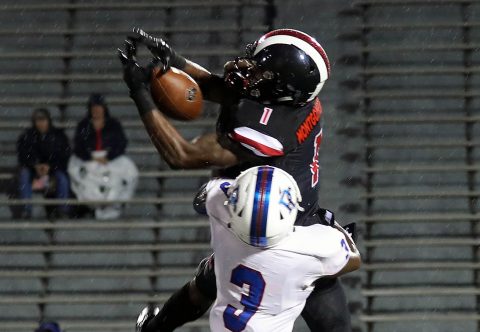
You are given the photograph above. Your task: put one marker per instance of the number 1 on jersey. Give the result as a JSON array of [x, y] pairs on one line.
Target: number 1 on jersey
[[234, 319], [266, 115]]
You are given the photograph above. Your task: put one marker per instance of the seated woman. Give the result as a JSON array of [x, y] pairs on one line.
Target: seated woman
[[99, 169], [43, 153]]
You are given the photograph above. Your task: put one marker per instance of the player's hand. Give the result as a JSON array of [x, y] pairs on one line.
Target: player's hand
[[147, 314], [159, 48], [326, 217], [351, 230], [42, 169], [136, 77]]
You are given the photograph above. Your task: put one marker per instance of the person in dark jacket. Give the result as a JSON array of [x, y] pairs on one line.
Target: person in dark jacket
[[99, 169], [43, 153], [99, 136]]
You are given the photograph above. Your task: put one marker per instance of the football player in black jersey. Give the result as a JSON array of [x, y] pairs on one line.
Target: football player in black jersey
[[270, 114]]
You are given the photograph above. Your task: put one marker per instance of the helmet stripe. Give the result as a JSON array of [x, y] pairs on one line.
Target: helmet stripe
[[258, 226], [302, 36]]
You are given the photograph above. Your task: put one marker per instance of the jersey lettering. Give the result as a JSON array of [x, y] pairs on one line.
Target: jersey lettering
[[266, 116], [310, 122], [315, 165], [235, 319]]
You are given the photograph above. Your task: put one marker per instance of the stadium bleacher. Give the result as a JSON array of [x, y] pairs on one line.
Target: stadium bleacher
[[417, 87], [95, 275], [402, 112]]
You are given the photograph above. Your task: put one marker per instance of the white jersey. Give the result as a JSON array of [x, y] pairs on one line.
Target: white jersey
[[266, 289]]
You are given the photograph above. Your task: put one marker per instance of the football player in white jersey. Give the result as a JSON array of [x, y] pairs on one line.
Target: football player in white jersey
[[265, 267]]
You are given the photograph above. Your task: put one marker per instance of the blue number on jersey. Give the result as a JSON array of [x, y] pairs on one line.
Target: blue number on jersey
[[343, 243], [242, 275], [224, 187]]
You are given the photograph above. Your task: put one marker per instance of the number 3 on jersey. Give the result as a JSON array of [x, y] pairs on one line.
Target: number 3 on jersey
[[236, 320]]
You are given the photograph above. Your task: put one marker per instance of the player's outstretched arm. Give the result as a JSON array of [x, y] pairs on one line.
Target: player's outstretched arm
[[355, 260], [177, 152], [212, 86]]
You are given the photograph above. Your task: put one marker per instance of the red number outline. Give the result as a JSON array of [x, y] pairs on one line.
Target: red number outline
[[315, 165]]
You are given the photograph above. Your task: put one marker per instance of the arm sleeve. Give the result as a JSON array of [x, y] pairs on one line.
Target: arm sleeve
[[258, 143], [120, 145]]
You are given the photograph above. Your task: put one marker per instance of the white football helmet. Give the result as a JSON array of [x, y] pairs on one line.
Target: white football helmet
[[263, 203]]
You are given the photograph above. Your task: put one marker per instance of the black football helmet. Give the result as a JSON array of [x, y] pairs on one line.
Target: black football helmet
[[283, 66]]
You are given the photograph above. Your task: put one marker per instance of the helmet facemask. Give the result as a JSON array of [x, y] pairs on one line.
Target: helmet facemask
[[284, 66], [247, 77]]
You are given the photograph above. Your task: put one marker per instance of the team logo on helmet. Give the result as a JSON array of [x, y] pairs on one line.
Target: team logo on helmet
[[287, 200]]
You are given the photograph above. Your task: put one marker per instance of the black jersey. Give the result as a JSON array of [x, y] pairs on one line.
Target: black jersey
[[282, 136]]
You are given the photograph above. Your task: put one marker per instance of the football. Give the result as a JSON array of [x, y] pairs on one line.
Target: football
[[176, 94]]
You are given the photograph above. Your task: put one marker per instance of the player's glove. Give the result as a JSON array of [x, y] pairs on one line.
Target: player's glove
[[136, 78], [147, 314], [328, 218], [351, 230], [159, 48]]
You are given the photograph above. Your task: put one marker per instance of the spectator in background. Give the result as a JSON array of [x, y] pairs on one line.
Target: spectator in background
[[43, 153], [99, 136], [49, 327], [99, 169]]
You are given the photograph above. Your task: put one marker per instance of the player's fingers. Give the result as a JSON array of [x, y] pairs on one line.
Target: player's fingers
[[137, 34], [149, 69], [130, 49], [157, 63], [141, 36], [123, 58]]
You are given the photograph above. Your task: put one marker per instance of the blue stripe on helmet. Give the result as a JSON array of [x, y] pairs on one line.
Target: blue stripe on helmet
[[258, 226]]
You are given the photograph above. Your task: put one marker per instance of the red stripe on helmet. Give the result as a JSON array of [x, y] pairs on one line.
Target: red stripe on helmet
[[303, 36]]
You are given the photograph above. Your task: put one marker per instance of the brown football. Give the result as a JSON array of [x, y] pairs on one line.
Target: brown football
[[176, 94]]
